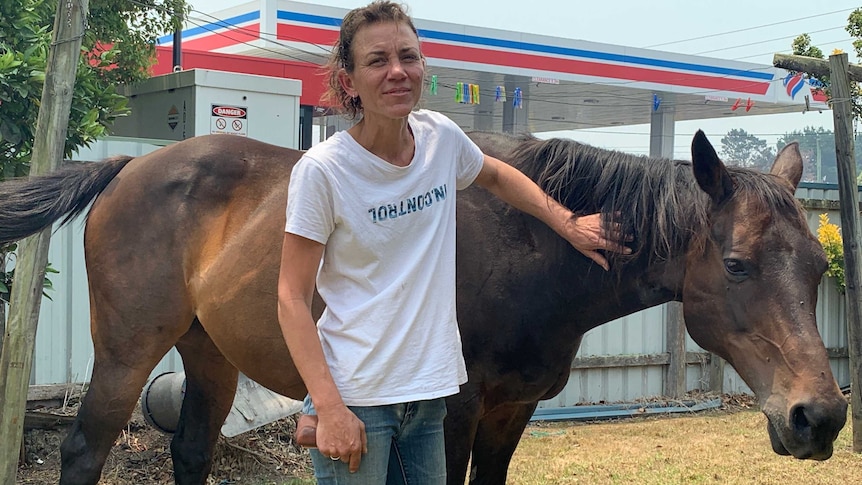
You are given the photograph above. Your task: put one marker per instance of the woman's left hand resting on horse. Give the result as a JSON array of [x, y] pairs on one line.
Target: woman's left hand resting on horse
[[585, 233]]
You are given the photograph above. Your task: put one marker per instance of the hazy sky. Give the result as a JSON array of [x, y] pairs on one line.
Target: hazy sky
[[745, 30]]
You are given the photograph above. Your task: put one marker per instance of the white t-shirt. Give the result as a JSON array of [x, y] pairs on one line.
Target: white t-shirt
[[389, 331]]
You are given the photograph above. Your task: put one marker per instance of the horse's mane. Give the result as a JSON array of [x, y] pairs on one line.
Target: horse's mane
[[656, 200]]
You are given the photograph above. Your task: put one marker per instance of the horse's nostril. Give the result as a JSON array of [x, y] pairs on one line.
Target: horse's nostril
[[799, 419]]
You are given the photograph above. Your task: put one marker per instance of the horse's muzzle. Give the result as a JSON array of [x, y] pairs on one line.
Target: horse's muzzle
[[808, 431]]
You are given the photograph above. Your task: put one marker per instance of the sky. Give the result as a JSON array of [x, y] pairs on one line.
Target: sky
[[745, 30]]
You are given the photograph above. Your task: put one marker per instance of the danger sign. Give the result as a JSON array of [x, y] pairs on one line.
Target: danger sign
[[229, 120], [229, 111]]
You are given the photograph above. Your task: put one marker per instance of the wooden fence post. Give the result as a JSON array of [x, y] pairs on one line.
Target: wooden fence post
[[716, 373], [848, 193], [674, 383], [49, 144]]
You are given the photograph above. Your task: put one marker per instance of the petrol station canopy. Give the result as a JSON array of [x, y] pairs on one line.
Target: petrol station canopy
[[524, 82]]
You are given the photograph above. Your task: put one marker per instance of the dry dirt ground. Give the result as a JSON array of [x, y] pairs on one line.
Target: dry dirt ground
[[141, 454]]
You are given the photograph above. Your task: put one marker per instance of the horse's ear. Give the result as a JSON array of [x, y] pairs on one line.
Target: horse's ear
[[709, 171], [788, 164]]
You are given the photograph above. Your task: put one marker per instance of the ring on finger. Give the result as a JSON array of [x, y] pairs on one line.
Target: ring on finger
[[334, 458]]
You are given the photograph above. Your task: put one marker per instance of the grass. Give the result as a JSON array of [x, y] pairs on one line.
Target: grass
[[712, 448]]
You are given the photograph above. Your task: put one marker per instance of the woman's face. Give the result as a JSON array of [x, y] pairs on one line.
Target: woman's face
[[388, 70]]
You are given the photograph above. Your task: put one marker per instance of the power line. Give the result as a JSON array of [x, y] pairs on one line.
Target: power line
[[325, 49], [240, 41], [764, 41], [748, 28], [839, 41], [221, 23]]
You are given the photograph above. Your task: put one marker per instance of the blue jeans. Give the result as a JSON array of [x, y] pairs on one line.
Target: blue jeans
[[405, 446]]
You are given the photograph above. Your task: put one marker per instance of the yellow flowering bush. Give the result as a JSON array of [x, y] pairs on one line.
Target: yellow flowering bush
[[829, 236]]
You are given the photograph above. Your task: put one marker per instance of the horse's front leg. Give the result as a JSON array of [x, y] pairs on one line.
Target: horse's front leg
[[210, 388], [462, 419], [496, 439]]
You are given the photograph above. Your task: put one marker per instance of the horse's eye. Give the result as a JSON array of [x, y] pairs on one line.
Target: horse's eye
[[735, 268]]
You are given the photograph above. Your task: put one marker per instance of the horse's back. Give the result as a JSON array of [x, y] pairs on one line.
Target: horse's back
[[498, 145], [186, 184], [208, 170]]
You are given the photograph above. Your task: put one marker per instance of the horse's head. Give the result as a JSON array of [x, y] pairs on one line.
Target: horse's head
[[750, 293]]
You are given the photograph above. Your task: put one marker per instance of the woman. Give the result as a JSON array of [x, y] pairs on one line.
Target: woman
[[371, 218]]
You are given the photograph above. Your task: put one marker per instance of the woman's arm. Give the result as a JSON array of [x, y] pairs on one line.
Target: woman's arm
[[339, 432], [585, 233]]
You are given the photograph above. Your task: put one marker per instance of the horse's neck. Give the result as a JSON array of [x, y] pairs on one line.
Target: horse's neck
[[636, 287], [656, 276]]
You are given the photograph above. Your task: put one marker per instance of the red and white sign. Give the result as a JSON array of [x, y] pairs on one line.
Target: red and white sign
[[229, 120], [229, 111]]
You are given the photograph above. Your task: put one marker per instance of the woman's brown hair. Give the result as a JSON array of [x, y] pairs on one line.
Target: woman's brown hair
[[342, 53]]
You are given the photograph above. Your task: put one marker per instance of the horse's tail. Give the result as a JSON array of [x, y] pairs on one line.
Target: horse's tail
[[28, 205]]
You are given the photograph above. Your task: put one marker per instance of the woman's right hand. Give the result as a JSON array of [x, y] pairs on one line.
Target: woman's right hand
[[341, 436]]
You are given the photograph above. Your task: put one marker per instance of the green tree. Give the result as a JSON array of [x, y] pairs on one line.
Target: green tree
[[118, 47], [743, 149], [802, 47], [817, 145]]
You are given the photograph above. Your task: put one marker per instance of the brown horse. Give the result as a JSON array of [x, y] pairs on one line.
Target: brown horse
[[183, 247]]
